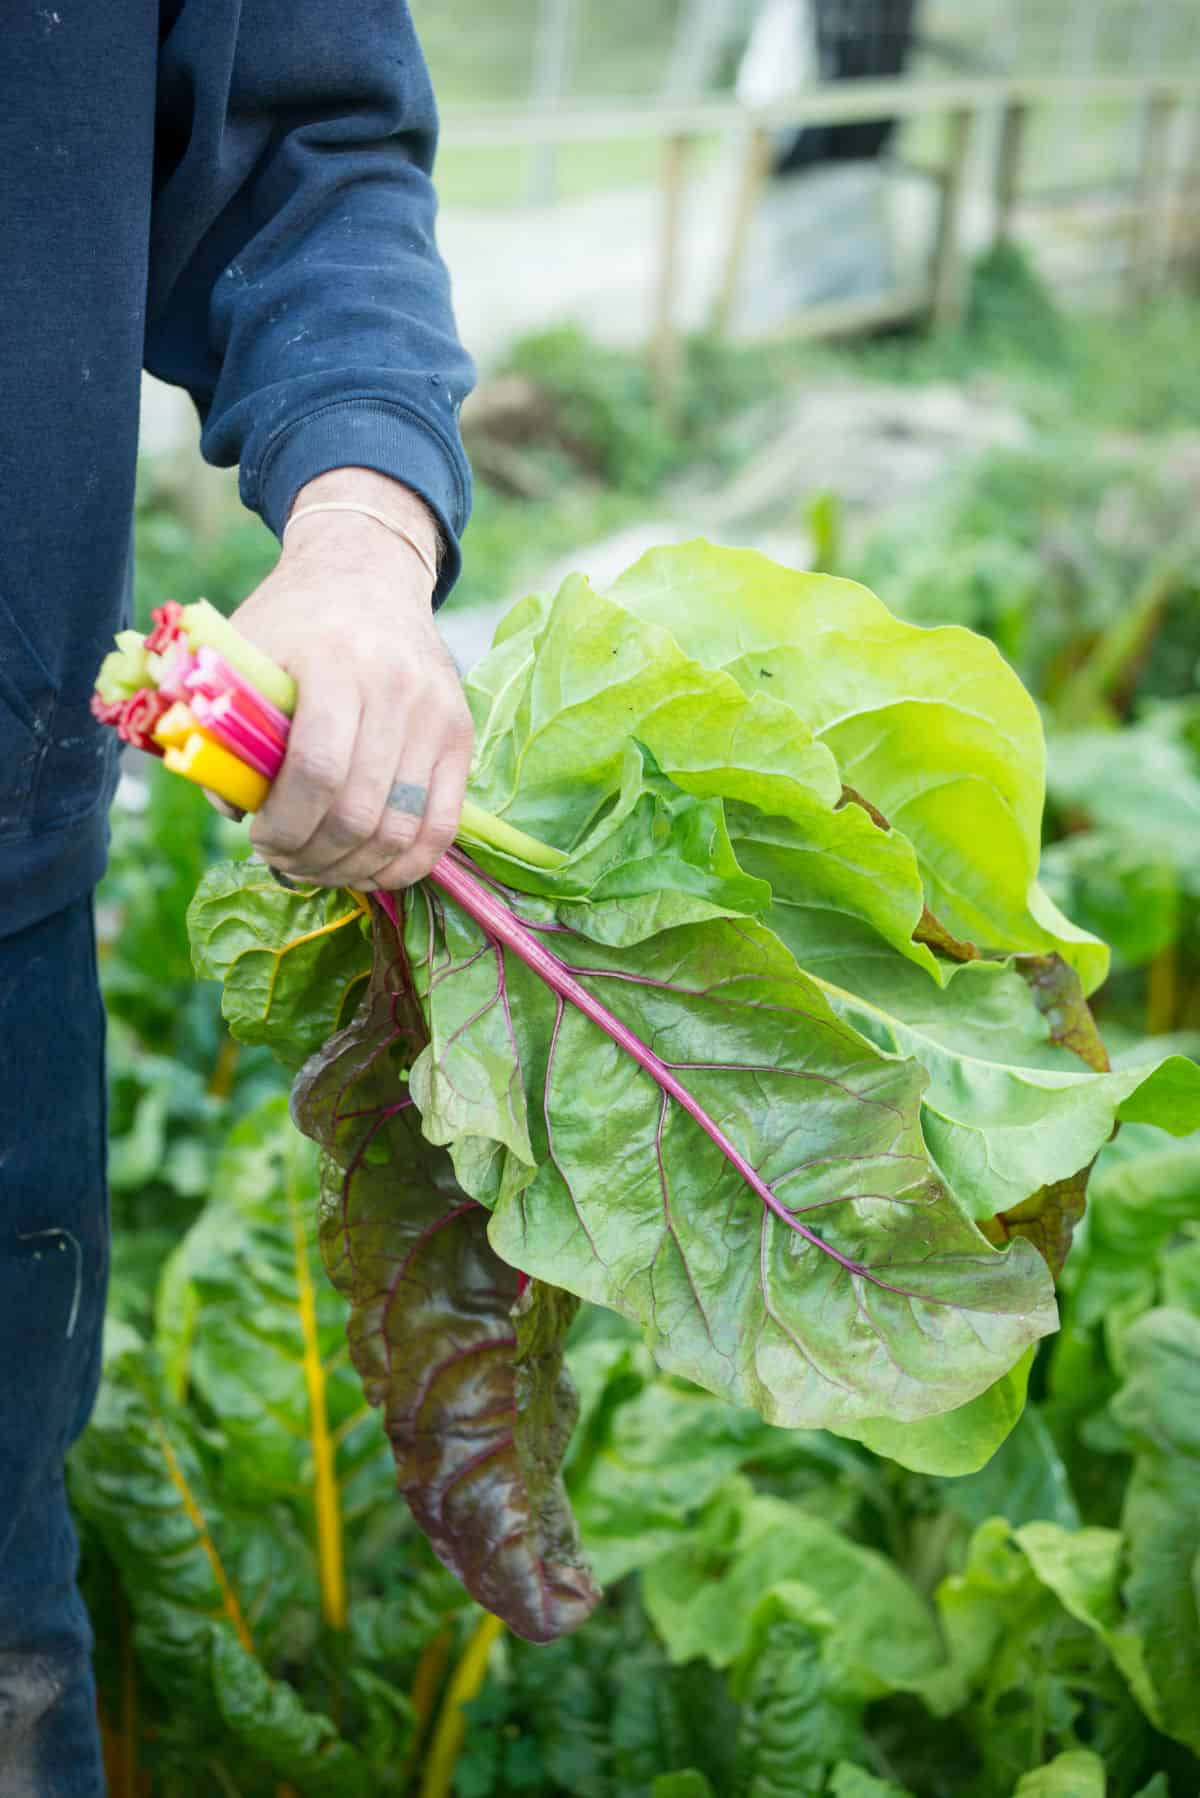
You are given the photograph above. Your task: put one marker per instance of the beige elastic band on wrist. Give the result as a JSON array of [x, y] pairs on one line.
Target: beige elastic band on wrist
[[389, 524]]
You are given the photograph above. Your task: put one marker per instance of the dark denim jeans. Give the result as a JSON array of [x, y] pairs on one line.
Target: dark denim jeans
[[53, 1273]]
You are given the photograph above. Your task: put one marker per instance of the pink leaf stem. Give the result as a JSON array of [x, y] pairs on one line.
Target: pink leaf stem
[[499, 922], [229, 721], [213, 676]]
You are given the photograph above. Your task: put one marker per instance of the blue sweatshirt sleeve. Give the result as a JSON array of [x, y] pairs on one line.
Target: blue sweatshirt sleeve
[[295, 287]]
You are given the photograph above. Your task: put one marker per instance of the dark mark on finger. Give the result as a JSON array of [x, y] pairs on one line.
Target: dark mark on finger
[[406, 797]]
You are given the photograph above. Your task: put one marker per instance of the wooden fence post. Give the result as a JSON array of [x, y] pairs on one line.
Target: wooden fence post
[[947, 280], [755, 169], [664, 347], [1146, 245], [1013, 121], [1182, 238]]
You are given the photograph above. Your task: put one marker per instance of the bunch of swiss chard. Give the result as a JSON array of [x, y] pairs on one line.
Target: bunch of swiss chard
[[738, 1011]]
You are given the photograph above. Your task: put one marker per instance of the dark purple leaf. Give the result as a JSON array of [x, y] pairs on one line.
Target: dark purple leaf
[[462, 1352]]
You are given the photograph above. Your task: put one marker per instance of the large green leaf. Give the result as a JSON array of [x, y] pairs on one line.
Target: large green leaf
[[1038, 1672], [290, 961], [1011, 1119], [704, 1595], [797, 1720], [955, 1442], [1076, 1774], [1143, 1192], [210, 1587], [464, 1355], [1009, 1108], [571, 680], [248, 1322], [931, 726], [900, 1308], [1160, 1406]]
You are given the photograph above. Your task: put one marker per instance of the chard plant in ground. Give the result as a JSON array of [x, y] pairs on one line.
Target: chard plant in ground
[[739, 1011]]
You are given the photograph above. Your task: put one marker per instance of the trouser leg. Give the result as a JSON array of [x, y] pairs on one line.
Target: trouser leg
[[53, 1273]]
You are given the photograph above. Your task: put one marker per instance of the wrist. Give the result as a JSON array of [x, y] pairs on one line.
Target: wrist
[[403, 525]]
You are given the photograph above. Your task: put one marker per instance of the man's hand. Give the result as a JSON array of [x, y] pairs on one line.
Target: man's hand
[[372, 786]]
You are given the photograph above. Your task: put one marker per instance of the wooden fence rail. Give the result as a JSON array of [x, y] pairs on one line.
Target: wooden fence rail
[[1154, 221]]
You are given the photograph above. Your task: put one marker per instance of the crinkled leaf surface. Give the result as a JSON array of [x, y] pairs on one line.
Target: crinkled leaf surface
[[625, 1202], [1144, 1191], [956, 1442], [210, 1586], [249, 1323], [1025, 1480], [290, 962], [1139, 785], [796, 1719], [1076, 1774], [468, 1370], [571, 680], [1160, 1406], [706, 1597], [1010, 1116], [931, 726], [1010, 1108]]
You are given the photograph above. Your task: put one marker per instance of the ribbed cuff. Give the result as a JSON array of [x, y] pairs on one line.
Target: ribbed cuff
[[366, 433]]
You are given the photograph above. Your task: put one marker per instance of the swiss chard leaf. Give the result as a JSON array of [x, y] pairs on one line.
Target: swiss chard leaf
[[704, 1596], [1076, 1774], [291, 962], [1160, 1406], [569, 681], [466, 1364], [1010, 1108], [932, 726], [955, 1442], [248, 1324], [210, 1587], [883, 1299]]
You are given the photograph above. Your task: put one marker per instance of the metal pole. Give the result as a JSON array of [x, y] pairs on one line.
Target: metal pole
[[551, 68]]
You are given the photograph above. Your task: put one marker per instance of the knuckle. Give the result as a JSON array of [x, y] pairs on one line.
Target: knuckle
[[403, 871], [398, 832], [316, 767], [351, 822], [440, 830], [277, 843]]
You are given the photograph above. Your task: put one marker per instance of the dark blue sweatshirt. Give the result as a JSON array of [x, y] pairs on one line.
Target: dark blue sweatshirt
[[236, 195]]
